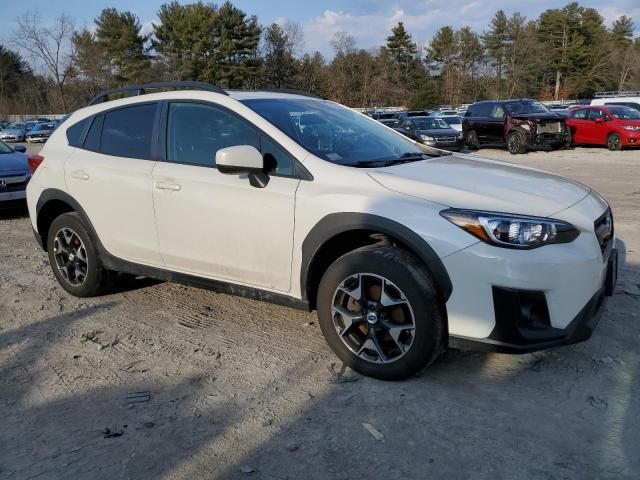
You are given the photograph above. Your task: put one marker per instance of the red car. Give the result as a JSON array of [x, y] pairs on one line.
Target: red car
[[615, 126]]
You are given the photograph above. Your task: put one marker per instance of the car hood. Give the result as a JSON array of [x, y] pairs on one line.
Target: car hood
[[470, 182], [13, 163], [437, 132]]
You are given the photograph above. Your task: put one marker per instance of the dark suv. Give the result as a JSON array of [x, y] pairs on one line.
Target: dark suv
[[518, 124]]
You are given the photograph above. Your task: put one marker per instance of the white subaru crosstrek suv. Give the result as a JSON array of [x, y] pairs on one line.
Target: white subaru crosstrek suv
[[288, 198]]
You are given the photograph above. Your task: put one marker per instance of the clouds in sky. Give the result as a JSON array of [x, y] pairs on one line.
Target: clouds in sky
[[370, 22]]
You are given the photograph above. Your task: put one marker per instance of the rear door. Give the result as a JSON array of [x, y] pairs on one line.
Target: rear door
[[482, 116], [495, 124], [110, 176], [579, 124]]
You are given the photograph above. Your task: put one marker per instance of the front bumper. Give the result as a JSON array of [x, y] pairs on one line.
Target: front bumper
[[519, 301], [12, 196]]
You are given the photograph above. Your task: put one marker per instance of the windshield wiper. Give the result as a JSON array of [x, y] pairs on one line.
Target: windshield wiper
[[404, 158]]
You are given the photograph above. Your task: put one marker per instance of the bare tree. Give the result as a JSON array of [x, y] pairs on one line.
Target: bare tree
[[51, 46]]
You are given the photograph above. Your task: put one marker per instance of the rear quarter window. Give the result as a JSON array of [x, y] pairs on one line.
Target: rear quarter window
[[75, 131]]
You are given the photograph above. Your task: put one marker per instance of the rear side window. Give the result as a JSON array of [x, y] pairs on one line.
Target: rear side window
[[92, 142], [127, 132], [74, 133], [480, 110], [579, 114], [195, 132]]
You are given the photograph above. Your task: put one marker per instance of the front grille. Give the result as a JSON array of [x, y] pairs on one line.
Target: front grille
[[445, 139], [603, 228], [13, 183], [550, 127]]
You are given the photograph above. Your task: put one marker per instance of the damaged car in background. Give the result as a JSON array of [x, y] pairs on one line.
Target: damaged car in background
[[518, 124]]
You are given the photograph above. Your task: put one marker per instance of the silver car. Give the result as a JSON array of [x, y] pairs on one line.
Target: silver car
[[40, 132], [15, 132]]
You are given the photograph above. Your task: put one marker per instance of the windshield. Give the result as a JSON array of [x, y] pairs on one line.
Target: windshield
[[42, 126], [336, 133], [625, 113], [16, 126], [452, 120], [428, 123], [4, 148], [525, 107]]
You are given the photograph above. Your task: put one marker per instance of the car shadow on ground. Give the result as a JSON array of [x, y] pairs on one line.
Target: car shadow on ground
[[469, 415], [13, 210]]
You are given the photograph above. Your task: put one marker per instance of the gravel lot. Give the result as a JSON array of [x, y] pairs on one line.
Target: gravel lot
[[161, 380]]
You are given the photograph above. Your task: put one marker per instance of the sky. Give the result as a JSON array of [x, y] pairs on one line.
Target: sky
[[368, 21]]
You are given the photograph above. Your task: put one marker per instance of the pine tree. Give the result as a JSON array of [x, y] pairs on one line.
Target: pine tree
[[495, 41], [237, 38], [118, 33], [279, 62]]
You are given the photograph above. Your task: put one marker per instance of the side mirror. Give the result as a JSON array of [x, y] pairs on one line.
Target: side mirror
[[20, 148], [599, 120], [243, 159]]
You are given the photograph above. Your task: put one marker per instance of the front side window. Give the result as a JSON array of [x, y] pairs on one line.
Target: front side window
[[335, 133], [127, 132], [195, 132], [498, 111], [276, 160]]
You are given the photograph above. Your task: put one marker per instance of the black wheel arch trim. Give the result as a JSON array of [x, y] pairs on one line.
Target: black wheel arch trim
[[52, 194], [337, 223]]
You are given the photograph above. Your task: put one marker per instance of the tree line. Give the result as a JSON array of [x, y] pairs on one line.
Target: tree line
[[565, 53]]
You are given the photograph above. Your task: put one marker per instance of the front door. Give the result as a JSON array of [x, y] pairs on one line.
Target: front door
[[217, 225]]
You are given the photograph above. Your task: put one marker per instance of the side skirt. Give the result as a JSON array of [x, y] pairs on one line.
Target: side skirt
[[119, 265]]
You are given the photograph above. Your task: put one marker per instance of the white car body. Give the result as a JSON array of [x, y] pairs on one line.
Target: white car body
[[159, 215]]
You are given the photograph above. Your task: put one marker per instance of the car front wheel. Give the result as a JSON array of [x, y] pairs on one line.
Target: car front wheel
[[516, 143], [613, 142], [471, 140], [380, 313]]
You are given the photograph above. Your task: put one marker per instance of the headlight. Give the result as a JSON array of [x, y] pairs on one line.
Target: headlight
[[427, 138], [512, 231], [631, 127]]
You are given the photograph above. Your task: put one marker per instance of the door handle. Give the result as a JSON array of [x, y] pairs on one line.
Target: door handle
[[80, 175], [174, 187]]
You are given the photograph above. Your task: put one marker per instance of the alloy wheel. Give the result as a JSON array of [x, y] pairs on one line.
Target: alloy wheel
[[70, 256], [613, 142], [514, 143], [373, 318]]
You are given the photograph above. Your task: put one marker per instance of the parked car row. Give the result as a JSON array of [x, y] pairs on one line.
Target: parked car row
[[38, 130], [520, 124]]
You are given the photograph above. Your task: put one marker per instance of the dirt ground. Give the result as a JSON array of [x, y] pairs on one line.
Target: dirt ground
[[165, 381]]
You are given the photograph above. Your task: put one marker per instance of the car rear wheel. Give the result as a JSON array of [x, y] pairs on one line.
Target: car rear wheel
[[74, 259], [613, 142], [380, 313], [516, 143], [471, 140]]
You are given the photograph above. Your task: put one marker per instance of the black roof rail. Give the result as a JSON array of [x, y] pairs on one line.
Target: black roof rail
[[292, 91], [133, 90]]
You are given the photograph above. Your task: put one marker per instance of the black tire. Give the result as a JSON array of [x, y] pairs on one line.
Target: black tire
[[566, 144], [404, 271], [96, 279], [613, 142], [471, 140], [516, 143]]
